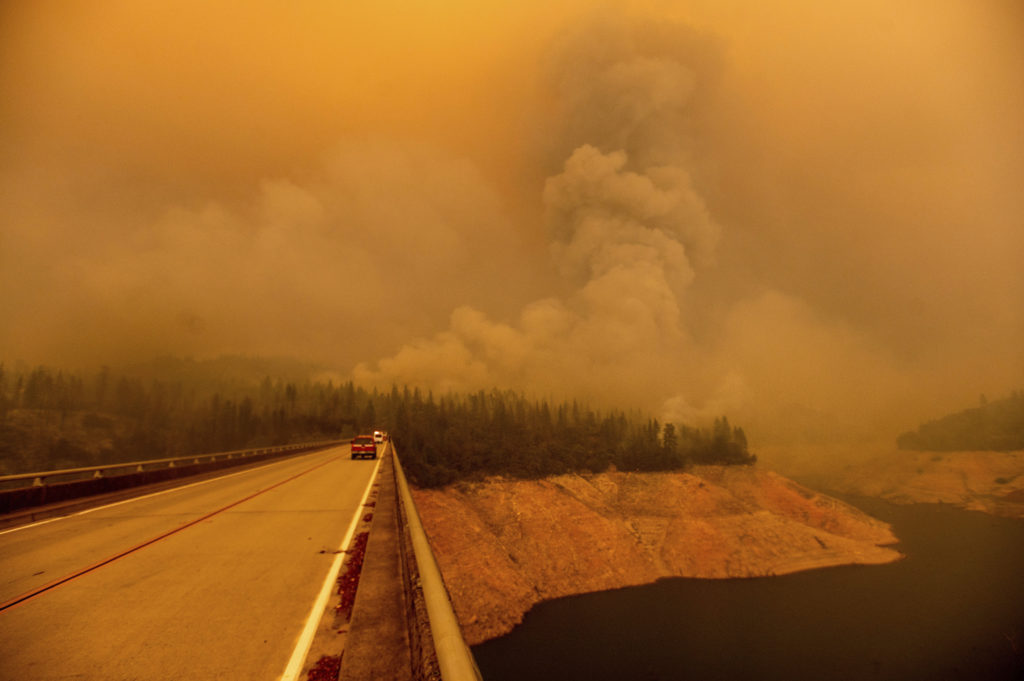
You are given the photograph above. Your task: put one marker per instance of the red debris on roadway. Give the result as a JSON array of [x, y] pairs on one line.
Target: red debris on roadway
[[349, 580], [325, 669]]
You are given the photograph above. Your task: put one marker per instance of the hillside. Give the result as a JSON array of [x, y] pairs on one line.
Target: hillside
[[505, 545], [992, 482], [992, 426]]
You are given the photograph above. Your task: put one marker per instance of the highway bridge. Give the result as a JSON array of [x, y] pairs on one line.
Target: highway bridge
[[228, 573]]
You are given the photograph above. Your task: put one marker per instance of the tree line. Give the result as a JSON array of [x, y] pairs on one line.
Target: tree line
[[991, 426], [503, 433], [56, 419]]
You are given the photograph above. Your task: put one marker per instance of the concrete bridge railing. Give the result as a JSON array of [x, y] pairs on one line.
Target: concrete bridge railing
[[411, 581], [27, 490], [403, 626], [453, 655]]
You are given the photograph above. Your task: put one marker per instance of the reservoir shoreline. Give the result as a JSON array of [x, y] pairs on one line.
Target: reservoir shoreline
[[506, 545], [949, 610]]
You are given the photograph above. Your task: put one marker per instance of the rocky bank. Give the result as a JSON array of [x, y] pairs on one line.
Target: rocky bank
[[505, 545], [992, 482]]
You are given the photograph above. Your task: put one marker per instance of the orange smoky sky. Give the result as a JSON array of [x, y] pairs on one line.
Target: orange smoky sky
[[796, 213]]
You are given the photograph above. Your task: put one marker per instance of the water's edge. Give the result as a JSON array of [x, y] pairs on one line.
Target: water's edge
[[953, 608]]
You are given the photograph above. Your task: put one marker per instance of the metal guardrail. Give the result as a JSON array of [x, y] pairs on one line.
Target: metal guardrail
[[39, 479], [453, 655]]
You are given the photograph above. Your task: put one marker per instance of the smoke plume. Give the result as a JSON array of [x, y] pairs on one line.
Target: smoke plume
[[631, 234], [628, 235], [803, 216]]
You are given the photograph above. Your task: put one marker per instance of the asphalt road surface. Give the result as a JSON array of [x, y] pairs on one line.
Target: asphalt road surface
[[213, 580]]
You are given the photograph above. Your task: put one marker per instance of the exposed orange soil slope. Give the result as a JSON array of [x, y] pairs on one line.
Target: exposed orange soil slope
[[992, 482], [505, 545]]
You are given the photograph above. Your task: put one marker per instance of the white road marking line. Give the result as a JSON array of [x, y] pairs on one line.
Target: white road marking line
[[145, 496], [305, 640]]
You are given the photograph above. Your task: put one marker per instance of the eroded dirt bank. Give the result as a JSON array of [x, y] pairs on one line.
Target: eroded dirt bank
[[505, 545], [992, 482]]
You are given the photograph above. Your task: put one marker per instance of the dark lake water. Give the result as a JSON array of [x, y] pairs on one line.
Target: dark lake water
[[952, 609]]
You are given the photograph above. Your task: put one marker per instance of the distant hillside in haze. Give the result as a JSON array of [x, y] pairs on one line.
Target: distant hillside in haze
[[227, 372], [52, 418], [992, 426]]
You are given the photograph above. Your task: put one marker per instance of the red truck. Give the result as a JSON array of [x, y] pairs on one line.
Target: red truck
[[363, 446]]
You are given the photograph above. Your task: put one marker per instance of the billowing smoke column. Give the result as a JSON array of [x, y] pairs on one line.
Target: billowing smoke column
[[866, 271], [629, 233]]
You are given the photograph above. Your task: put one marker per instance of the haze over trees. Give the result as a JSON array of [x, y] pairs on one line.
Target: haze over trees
[[56, 419], [995, 426], [52, 419], [503, 433]]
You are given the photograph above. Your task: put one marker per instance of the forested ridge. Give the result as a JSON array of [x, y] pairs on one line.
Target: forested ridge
[[53, 419], [996, 425], [503, 433]]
